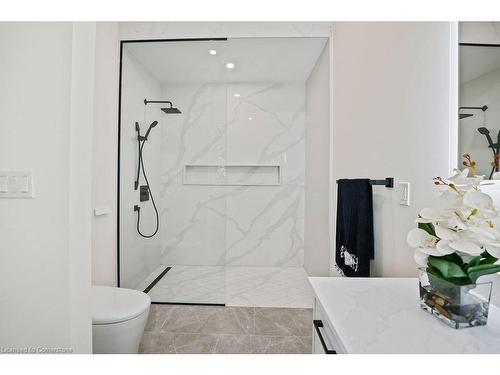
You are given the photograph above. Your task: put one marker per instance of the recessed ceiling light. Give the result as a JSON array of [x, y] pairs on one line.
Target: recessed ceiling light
[[230, 65], [250, 118], [213, 52], [237, 95]]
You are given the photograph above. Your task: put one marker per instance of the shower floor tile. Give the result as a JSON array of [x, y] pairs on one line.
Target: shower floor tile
[[191, 284], [233, 286], [268, 287]]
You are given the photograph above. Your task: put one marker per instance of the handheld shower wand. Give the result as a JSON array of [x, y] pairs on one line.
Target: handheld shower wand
[[153, 124], [141, 140]]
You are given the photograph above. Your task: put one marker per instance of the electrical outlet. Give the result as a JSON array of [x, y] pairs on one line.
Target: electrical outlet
[[404, 193]]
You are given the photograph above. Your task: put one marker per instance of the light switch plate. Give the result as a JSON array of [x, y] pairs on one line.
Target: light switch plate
[[404, 193], [16, 184]]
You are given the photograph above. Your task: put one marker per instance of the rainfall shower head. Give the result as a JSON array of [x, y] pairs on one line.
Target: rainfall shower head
[[168, 110], [171, 110]]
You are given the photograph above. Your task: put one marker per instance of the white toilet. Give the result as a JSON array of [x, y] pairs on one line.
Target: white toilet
[[119, 316]]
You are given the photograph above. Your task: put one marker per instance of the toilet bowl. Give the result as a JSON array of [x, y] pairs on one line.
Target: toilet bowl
[[119, 316]]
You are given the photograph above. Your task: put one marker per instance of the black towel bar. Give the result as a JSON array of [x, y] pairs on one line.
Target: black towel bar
[[388, 182]]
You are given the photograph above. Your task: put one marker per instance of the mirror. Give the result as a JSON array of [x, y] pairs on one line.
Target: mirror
[[479, 109]]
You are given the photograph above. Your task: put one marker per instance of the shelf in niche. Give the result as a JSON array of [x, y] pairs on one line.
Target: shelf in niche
[[232, 175]]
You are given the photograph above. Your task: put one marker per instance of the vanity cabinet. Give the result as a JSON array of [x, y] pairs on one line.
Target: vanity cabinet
[[382, 316], [324, 340]]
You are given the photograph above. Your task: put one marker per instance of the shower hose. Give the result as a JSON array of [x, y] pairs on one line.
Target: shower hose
[[137, 208]]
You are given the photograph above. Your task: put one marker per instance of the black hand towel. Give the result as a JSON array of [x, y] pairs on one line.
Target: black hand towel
[[354, 242]]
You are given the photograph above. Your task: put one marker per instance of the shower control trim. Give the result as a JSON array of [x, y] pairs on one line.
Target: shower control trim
[[144, 193]]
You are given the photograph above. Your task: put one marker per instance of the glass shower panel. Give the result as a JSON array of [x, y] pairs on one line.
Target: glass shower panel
[[227, 173], [184, 262]]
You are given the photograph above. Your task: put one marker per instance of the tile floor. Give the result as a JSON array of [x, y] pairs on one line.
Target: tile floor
[[227, 330], [233, 286]]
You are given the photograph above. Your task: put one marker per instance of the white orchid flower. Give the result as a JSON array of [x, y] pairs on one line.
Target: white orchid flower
[[461, 179], [464, 221], [477, 199], [443, 247], [466, 246], [435, 214], [455, 222], [485, 232], [424, 241], [445, 233], [420, 258], [493, 248], [449, 199]]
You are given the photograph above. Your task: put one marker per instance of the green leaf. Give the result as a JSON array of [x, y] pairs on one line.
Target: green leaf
[[434, 271], [446, 268], [473, 262], [428, 227], [488, 258], [454, 258], [474, 275], [436, 274], [482, 267]]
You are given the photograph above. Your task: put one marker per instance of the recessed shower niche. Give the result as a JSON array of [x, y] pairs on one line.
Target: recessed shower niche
[[217, 143]]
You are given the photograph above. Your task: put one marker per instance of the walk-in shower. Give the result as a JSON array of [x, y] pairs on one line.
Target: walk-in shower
[[219, 170]]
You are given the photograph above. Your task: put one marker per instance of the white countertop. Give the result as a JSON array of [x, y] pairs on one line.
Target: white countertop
[[382, 315]]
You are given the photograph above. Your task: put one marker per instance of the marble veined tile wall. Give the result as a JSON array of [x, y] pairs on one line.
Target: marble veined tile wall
[[234, 124]]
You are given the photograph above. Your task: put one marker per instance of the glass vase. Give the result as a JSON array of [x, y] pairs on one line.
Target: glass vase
[[459, 306]]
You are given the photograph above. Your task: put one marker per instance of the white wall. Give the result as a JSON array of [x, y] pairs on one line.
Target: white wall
[[480, 32], [392, 119], [160, 30], [139, 256], [80, 184], [45, 109], [317, 155], [105, 154]]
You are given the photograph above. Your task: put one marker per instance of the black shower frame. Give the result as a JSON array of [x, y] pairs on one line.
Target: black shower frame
[[479, 44], [122, 43]]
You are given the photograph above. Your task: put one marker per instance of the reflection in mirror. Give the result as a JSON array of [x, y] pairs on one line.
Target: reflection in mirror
[[479, 112]]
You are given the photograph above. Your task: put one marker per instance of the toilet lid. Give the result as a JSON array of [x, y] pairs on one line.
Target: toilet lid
[[113, 305]]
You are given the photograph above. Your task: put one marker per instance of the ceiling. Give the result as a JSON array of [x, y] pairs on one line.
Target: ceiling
[[254, 59], [476, 61]]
